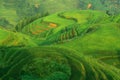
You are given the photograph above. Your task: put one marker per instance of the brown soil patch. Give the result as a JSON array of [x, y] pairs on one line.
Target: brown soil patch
[[52, 25]]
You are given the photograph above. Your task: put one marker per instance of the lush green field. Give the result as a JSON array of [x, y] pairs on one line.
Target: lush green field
[[9, 14], [70, 45], [49, 63], [15, 10], [8, 38]]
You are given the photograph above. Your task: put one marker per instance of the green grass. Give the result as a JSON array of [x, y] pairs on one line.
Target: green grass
[[62, 22], [8, 38], [49, 60], [8, 14], [105, 37], [3, 33], [44, 24], [83, 45], [65, 19], [84, 16]]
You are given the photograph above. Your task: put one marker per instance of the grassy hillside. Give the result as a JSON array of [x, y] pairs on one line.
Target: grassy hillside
[[89, 32], [15, 10], [70, 45], [72, 23], [97, 33], [8, 38], [61, 64], [9, 14]]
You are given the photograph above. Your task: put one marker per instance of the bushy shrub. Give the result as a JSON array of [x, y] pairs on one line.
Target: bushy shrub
[[46, 64]]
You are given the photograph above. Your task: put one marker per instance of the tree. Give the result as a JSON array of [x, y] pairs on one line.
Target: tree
[[74, 33], [4, 23]]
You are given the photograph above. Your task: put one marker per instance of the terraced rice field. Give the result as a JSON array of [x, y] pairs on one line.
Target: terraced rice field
[[74, 45]]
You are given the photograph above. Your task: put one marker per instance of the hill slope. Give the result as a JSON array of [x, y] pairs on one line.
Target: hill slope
[[71, 45], [41, 63], [20, 9], [88, 32], [8, 38]]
